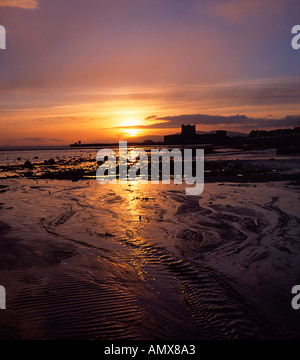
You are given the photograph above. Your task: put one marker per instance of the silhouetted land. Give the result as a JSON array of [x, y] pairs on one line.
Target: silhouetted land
[[286, 141]]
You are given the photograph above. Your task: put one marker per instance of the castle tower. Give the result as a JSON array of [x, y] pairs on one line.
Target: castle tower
[[188, 130]]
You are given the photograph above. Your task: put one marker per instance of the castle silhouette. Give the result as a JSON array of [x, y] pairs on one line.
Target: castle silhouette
[[189, 136]]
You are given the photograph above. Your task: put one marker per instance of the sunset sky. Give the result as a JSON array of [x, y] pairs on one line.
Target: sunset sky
[[106, 70]]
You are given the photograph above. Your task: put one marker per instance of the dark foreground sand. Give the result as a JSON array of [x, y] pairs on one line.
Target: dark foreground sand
[[81, 260]]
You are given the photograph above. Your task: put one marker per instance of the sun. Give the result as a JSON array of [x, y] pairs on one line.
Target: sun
[[131, 132], [129, 127]]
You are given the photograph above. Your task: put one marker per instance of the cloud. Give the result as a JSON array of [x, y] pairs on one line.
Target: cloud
[[38, 139], [150, 117], [240, 121], [24, 4], [234, 121]]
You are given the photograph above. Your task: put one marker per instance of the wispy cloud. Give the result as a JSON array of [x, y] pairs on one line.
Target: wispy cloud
[[24, 4], [37, 139], [240, 121]]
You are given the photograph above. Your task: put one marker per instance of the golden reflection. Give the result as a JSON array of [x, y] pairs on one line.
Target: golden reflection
[[135, 223]]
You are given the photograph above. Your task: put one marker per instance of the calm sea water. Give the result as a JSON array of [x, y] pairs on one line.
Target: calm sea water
[[20, 156]]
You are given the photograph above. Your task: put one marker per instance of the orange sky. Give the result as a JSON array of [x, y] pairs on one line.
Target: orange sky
[[91, 70]]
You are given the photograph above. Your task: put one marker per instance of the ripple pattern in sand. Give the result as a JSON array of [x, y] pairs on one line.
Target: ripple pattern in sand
[[140, 267]]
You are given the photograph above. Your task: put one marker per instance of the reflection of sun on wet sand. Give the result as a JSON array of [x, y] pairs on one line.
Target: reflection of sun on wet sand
[[87, 261]]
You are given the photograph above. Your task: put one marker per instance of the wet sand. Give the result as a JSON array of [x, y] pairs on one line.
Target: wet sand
[[87, 261]]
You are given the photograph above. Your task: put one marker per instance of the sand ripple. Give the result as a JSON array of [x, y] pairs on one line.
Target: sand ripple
[[134, 262]]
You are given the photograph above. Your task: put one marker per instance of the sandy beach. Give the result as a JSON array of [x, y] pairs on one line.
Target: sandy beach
[[81, 260]]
